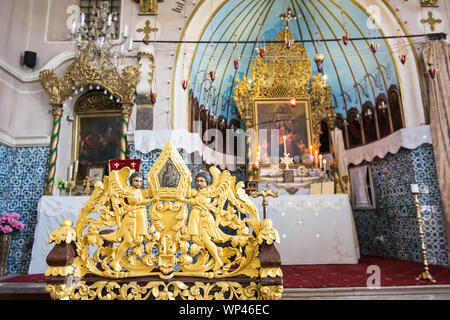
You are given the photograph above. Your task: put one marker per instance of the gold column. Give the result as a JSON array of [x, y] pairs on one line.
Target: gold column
[[126, 113], [57, 113]]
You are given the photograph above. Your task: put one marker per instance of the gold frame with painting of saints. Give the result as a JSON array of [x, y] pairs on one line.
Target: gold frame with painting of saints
[[299, 137]]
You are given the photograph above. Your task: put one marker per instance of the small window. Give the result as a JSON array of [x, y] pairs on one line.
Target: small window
[[362, 191]]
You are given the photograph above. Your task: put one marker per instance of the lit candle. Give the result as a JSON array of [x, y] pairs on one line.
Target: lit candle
[[315, 158], [284, 141], [109, 19], [125, 30], [415, 188], [324, 164], [311, 150], [320, 161], [82, 19]]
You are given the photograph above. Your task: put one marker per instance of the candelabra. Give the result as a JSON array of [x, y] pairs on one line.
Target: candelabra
[[426, 274], [97, 37]]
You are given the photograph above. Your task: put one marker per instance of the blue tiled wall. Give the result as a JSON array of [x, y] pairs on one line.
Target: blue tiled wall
[[23, 172], [391, 230]]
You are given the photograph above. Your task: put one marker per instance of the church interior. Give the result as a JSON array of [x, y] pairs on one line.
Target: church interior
[[277, 149]]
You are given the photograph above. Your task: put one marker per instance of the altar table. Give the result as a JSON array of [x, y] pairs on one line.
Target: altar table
[[314, 229], [51, 211]]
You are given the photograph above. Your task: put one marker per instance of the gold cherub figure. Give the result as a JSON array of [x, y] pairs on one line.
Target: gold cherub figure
[[202, 227], [132, 224]]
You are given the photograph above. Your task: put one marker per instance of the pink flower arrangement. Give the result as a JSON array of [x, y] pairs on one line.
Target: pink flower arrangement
[[9, 222]]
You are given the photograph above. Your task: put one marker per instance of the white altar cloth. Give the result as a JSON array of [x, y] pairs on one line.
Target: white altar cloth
[[51, 211], [313, 229], [409, 138]]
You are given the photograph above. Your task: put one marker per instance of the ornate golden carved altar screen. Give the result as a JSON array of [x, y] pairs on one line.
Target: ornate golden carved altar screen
[[120, 255], [281, 73]]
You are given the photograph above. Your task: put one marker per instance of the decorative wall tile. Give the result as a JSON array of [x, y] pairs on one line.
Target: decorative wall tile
[[22, 183], [396, 216]]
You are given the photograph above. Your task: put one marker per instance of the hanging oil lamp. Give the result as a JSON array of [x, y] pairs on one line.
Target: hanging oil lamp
[[153, 97], [184, 84], [261, 52], [345, 39], [212, 75], [432, 72], [236, 63], [374, 47], [318, 59], [403, 58]]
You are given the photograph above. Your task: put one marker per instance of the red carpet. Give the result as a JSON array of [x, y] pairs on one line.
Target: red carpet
[[392, 273]]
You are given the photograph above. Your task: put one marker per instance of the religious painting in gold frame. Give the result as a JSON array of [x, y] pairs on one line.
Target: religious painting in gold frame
[[96, 140], [291, 122]]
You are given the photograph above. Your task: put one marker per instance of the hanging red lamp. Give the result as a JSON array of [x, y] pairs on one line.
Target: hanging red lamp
[[184, 84], [153, 97], [374, 47], [403, 58], [318, 59], [236, 63], [345, 39], [212, 75]]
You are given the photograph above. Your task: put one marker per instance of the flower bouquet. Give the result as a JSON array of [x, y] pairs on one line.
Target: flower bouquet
[[62, 185], [9, 223]]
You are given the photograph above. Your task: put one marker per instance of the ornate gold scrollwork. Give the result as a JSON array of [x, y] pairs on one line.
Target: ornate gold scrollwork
[[84, 71], [282, 74], [179, 241], [159, 290]]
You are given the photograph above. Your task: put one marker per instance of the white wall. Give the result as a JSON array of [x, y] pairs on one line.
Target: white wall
[[29, 24]]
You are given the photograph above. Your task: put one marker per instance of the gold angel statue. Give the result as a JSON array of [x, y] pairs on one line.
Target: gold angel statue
[[119, 235], [132, 223], [202, 228]]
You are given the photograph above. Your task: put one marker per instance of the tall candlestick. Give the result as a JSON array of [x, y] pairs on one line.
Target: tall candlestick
[[82, 19], [284, 140], [325, 165], [125, 30], [320, 161]]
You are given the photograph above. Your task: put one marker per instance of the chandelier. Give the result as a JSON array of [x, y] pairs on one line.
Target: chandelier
[[96, 36]]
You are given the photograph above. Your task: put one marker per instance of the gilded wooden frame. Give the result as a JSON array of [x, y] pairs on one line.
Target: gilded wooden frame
[[77, 133], [302, 112]]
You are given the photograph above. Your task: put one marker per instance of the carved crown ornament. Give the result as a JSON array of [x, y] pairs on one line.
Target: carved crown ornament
[[153, 239], [84, 71], [283, 72]]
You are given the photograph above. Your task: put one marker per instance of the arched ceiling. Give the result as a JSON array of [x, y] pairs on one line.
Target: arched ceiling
[[354, 72]]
